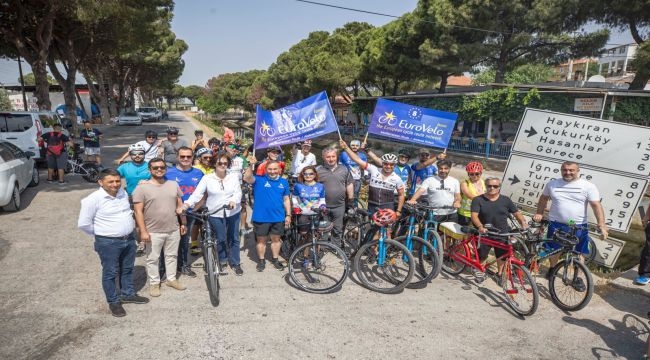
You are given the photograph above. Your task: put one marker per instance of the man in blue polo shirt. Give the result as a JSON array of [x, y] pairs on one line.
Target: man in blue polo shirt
[[188, 178], [423, 169], [271, 209]]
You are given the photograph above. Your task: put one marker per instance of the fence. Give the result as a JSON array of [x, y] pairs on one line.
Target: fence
[[478, 146]]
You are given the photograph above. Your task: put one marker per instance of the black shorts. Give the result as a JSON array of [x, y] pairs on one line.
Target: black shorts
[[266, 229]]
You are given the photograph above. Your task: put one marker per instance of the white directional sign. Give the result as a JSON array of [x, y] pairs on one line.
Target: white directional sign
[[599, 143], [524, 180]]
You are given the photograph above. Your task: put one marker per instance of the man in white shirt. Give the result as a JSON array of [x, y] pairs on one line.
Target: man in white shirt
[[106, 214], [302, 158], [443, 192]]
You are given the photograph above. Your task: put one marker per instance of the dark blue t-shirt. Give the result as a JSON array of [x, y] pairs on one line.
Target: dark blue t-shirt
[[187, 180], [268, 206], [90, 137], [420, 175]]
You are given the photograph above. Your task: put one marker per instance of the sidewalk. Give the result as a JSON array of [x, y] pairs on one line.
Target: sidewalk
[[626, 282]]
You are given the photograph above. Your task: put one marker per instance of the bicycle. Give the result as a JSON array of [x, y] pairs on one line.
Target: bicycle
[[383, 265], [570, 283], [427, 258], [89, 170], [357, 230], [211, 265], [318, 266], [461, 250]]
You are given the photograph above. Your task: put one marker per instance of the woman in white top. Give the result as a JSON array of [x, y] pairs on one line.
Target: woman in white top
[[222, 189]]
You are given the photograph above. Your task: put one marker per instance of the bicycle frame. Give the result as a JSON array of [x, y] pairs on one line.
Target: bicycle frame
[[471, 246]]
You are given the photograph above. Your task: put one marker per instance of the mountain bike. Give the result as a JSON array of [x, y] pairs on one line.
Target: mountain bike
[[211, 265], [570, 283], [357, 230], [318, 266], [384, 265], [89, 170], [517, 283], [425, 255]]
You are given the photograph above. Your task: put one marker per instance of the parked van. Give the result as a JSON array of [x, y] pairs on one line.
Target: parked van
[[24, 129]]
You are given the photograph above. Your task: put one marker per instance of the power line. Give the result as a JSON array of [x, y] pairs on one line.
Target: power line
[[396, 17]]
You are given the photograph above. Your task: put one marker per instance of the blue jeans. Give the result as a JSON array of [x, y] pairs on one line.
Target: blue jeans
[[227, 243], [117, 257]]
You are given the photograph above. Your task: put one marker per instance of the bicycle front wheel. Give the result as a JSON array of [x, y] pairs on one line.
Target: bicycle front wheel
[[591, 252], [520, 289], [434, 238], [451, 249], [387, 271], [570, 285], [321, 271], [427, 261], [212, 274]]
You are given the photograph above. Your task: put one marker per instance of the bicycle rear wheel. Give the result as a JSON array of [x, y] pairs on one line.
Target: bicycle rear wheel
[[90, 172], [570, 285], [212, 274], [320, 272], [520, 289], [427, 262], [387, 274], [453, 248]]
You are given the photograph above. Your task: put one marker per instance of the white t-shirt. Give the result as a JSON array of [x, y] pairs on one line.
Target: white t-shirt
[[381, 189], [569, 199], [441, 192], [301, 161], [149, 153]]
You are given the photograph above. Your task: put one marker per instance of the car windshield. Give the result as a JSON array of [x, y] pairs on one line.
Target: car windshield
[[130, 113], [147, 110]]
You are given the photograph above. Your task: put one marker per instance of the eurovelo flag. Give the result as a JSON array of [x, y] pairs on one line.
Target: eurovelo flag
[[306, 119], [414, 124]]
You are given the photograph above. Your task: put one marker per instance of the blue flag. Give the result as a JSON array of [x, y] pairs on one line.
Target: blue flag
[[414, 124], [306, 119]]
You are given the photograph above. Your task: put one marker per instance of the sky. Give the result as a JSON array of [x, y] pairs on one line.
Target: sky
[[227, 36]]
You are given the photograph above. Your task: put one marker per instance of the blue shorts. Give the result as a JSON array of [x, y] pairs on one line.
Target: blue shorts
[[582, 233]]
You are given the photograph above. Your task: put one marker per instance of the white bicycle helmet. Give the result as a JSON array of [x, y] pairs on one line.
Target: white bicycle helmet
[[202, 151], [389, 158], [136, 147]]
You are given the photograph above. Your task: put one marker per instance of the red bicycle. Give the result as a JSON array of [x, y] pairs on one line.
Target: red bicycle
[[460, 250]]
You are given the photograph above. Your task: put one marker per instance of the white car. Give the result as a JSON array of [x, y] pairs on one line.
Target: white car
[[17, 172], [129, 118], [149, 114]]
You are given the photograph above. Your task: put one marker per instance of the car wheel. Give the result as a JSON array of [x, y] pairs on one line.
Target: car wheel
[[14, 203], [35, 177]]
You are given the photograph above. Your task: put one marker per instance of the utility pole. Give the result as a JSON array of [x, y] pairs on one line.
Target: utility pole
[[22, 83]]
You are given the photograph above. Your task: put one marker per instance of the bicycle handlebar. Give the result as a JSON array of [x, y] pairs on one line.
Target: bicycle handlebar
[[206, 213]]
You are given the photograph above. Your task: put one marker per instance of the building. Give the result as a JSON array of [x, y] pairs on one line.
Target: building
[[616, 61], [574, 70]]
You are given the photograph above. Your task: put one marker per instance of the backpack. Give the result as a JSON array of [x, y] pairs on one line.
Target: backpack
[[55, 144]]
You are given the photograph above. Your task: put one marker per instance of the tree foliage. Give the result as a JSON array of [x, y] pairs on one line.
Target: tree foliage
[[30, 80], [5, 102], [524, 74]]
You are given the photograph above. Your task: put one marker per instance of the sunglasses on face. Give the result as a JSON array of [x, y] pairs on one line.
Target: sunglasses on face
[[206, 158], [222, 163], [492, 186], [137, 153], [473, 174], [158, 167], [151, 137], [388, 164], [185, 156]]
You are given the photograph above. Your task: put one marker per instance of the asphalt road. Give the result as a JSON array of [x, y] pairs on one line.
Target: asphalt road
[[52, 305]]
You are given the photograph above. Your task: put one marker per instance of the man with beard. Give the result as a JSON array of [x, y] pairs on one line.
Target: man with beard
[[443, 193]]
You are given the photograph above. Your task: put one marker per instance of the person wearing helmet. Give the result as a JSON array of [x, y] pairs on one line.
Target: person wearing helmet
[[443, 193], [402, 168], [302, 157], [133, 172], [355, 170], [382, 184], [470, 188], [272, 154], [151, 146], [424, 168], [199, 141], [204, 160]]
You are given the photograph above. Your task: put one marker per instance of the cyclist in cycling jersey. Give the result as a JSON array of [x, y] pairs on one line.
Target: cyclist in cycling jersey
[[204, 160], [150, 145], [470, 188], [382, 183], [402, 168], [307, 194]]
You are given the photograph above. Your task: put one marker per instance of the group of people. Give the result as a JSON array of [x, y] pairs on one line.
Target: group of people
[[166, 178]]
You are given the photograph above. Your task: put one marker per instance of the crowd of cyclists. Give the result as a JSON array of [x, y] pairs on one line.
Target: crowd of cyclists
[[278, 185]]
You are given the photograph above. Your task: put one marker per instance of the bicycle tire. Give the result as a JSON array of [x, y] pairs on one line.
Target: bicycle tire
[[92, 172], [516, 281], [448, 264], [394, 274], [591, 252], [212, 274], [434, 238], [289, 241], [427, 262], [563, 291], [353, 234], [327, 270]]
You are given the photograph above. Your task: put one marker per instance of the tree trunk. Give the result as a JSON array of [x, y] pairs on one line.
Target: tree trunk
[[443, 82], [639, 81], [68, 86], [42, 86]]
